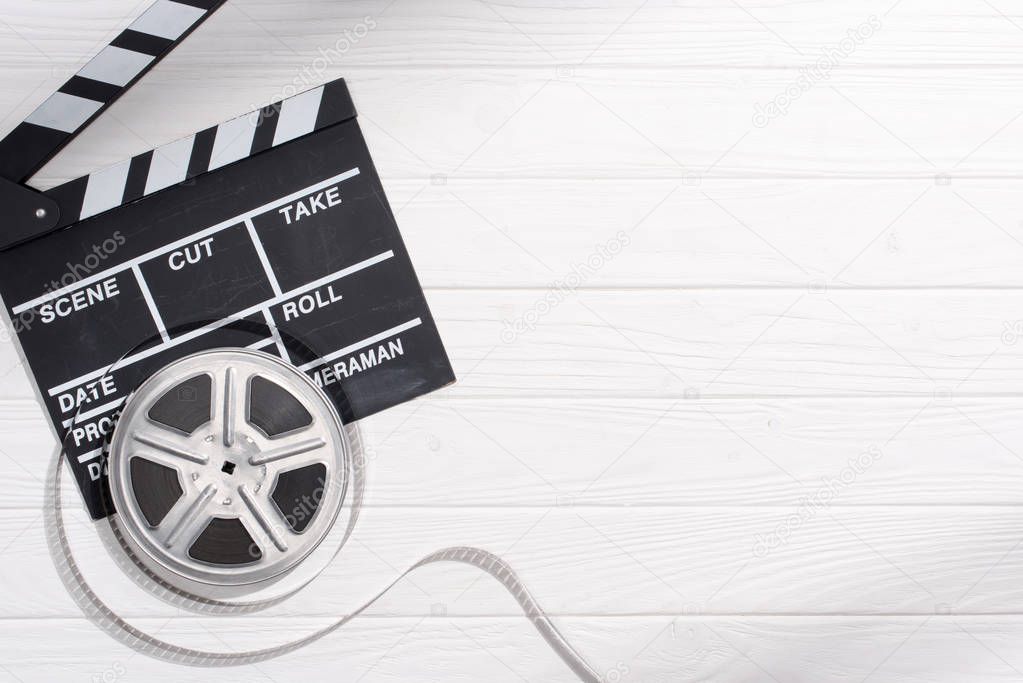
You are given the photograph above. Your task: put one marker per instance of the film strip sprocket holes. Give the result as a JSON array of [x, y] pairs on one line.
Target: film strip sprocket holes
[[270, 232]]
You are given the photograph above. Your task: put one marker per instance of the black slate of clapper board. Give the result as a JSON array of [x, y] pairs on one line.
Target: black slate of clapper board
[[270, 232]]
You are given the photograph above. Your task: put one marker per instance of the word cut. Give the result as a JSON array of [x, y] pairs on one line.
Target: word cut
[[321, 201], [305, 305], [191, 254]]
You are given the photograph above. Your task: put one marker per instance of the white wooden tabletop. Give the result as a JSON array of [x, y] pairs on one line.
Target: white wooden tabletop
[[734, 292]]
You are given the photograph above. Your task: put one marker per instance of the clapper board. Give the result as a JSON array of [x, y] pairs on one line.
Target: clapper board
[[270, 231]]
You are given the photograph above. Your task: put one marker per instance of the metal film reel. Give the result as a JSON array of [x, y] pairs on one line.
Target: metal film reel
[[229, 469]]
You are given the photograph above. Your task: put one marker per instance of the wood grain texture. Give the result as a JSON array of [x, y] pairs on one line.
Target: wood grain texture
[[865, 560], [540, 452], [661, 649], [719, 233], [753, 34], [714, 343], [839, 283], [607, 122]]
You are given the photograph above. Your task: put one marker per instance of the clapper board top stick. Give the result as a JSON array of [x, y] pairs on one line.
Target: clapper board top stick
[[270, 231]]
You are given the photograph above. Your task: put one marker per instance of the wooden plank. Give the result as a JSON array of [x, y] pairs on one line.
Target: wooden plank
[[458, 452], [755, 33], [717, 233], [809, 559], [719, 343], [518, 233], [608, 122], [658, 649]]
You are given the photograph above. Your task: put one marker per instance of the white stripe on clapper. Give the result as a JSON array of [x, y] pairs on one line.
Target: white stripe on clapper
[[64, 112], [170, 164], [167, 19], [233, 141], [115, 65], [298, 115], [105, 189]]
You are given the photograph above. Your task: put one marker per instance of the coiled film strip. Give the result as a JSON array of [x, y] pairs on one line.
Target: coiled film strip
[[141, 570]]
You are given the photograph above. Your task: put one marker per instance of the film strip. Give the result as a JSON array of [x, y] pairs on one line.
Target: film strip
[[107, 619]]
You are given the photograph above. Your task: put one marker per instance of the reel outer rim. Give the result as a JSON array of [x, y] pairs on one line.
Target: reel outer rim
[[133, 524]]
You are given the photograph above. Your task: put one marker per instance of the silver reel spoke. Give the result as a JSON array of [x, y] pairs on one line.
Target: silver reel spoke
[[287, 451], [166, 447], [189, 520], [264, 517]]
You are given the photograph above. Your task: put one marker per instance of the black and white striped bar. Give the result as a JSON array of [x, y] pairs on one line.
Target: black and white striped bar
[[205, 151], [109, 74]]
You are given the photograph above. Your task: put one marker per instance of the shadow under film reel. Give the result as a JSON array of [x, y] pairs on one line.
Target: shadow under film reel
[[229, 470]]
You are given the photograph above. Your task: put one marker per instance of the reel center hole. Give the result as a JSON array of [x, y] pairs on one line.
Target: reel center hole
[[228, 467]]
